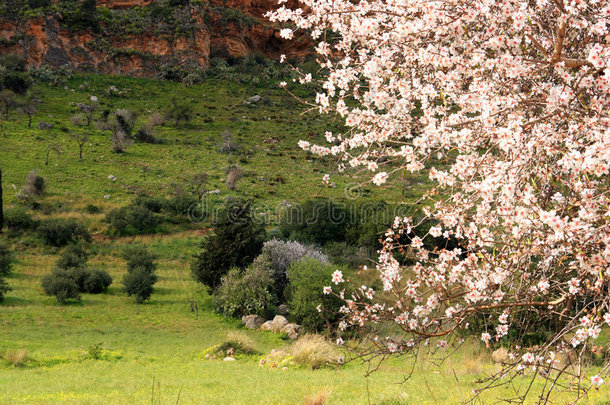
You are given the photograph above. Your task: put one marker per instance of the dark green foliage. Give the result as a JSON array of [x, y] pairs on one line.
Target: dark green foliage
[[79, 15], [179, 112], [92, 209], [97, 281], [73, 256], [139, 257], [4, 288], [307, 278], [6, 259], [13, 74], [236, 240], [61, 231], [315, 221], [61, 285], [133, 219], [39, 3], [140, 277], [180, 203], [244, 292], [1, 204], [152, 204], [18, 219]]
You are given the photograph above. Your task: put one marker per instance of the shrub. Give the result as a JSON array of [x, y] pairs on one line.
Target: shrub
[[236, 240], [307, 278], [315, 221], [278, 255], [180, 203], [244, 293], [228, 145], [152, 204], [120, 141], [97, 281], [234, 173], [139, 257], [35, 185], [61, 231], [73, 256], [179, 112], [140, 276], [59, 284], [139, 282], [4, 288], [314, 351], [6, 259], [18, 219], [132, 219]]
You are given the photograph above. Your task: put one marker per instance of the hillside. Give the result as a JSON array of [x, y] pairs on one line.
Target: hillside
[[139, 37]]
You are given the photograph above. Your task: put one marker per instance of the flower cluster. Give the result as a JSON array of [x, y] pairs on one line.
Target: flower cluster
[[506, 106]]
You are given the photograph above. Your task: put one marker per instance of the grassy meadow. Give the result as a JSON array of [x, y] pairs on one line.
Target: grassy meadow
[[154, 353]]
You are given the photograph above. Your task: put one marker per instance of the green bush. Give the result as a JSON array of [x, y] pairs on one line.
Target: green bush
[[244, 292], [139, 282], [139, 257], [180, 203], [97, 281], [152, 204], [140, 277], [133, 219], [61, 231], [61, 285], [307, 278], [6, 259], [73, 256], [236, 240], [18, 219], [315, 221]]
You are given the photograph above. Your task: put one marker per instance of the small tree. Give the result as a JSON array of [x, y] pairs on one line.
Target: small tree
[[199, 181], [73, 256], [61, 285], [236, 240], [179, 112], [6, 259], [29, 106], [88, 110], [52, 147], [81, 139]]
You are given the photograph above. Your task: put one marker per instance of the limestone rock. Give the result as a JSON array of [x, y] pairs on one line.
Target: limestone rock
[[278, 323], [267, 325], [252, 321]]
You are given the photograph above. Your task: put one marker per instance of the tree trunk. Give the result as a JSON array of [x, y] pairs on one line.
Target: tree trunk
[[1, 205], [30, 121]]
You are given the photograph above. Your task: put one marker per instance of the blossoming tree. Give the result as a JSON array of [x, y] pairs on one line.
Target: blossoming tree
[[505, 104]]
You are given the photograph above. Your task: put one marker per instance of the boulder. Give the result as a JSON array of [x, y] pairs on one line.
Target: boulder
[[292, 330], [283, 309], [278, 323], [252, 321], [228, 358], [267, 325], [255, 99]]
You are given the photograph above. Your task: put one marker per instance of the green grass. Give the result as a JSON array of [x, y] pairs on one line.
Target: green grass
[[163, 341], [153, 353]]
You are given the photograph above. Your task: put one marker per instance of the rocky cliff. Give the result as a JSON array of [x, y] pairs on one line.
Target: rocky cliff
[[139, 37]]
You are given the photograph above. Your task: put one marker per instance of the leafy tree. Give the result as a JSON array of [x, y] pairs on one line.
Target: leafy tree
[[504, 106], [29, 106], [236, 240]]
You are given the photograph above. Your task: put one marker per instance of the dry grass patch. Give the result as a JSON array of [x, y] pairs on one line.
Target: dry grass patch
[[17, 357], [314, 351], [238, 343], [319, 398]]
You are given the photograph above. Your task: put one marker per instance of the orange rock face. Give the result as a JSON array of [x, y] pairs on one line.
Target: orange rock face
[[224, 28]]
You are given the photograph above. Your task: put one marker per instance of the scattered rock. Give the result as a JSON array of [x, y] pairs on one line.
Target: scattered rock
[[253, 321], [255, 99], [283, 310], [44, 125], [228, 358], [278, 323], [267, 325], [292, 330]]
